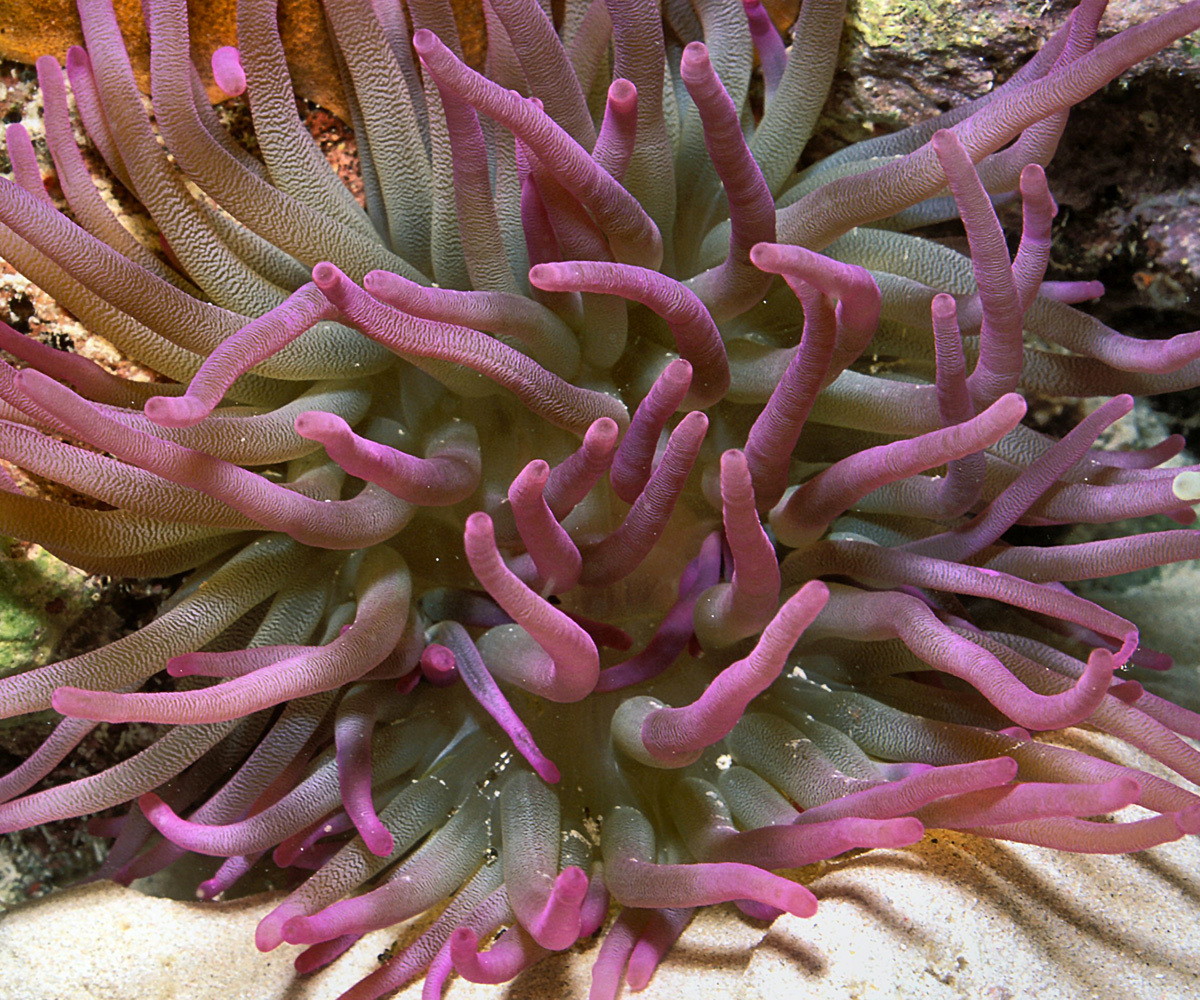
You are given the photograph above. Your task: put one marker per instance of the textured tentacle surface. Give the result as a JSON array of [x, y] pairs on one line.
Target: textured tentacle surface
[[676, 536]]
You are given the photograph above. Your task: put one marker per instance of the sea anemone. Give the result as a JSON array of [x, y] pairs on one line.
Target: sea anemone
[[612, 511]]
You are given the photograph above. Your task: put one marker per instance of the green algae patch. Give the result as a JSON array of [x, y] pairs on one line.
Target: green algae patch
[[40, 598], [937, 25]]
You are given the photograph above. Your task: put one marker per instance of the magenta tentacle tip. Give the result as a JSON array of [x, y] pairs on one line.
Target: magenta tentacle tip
[[227, 70]]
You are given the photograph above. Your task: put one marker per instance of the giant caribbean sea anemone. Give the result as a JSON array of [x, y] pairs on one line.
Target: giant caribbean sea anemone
[[612, 513]]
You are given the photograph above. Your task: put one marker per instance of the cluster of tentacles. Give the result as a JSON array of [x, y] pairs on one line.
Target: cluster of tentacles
[[607, 512]]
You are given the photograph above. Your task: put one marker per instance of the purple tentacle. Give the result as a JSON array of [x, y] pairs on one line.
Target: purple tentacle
[[772, 56], [675, 737], [696, 335], [734, 285], [447, 476], [378, 626], [1002, 513], [633, 461], [777, 428], [633, 236], [618, 132], [252, 344], [548, 654], [621, 552], [553, 552], [742, 607], [853, 289], [677, 628], [470, 667], [810, 509], [556, 401], [275, 507]]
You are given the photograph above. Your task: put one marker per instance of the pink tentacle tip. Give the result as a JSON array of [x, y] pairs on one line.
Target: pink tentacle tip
[[622, 94], [1078, 703], [437, 665], [328, 277], [501, 963], [227, 70], [793, 898], [208, 889], [176, 411], [375, 835], [563, 664], [268, 935], [464, 955], [1188, 820], [79, 703], [557, 927], [185, 665], [1127, 691], [157, 812]]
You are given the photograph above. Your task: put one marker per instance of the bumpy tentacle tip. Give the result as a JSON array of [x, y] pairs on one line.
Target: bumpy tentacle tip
[[78, 60], [317, 425], [546, 769], [388, 286], [208, 889], [1101, 665], [1123, 791], [555, 276], [47, 64], [944, 308], [796, 899], [997, 770], [944, 142], [227, 70], [425, 42], [640, 971], [604, 431], [1034, 188], [187, 664], [479, 531], [299, 930]]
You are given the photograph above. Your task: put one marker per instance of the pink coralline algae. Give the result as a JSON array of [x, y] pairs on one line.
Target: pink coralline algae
[[612, 514]]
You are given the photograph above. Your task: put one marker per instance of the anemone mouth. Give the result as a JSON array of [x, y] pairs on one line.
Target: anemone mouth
[[611, 510]]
